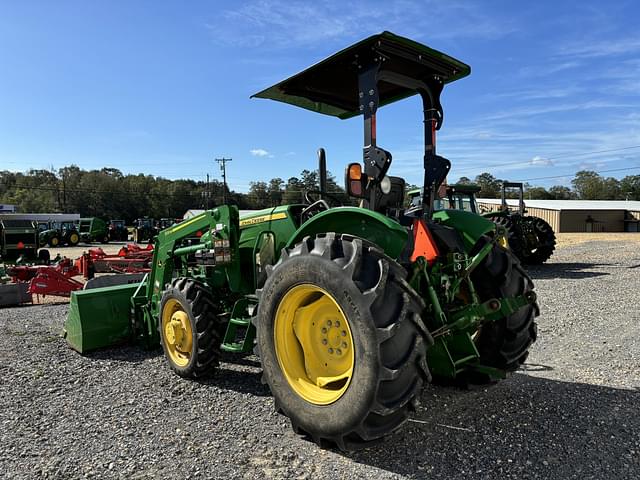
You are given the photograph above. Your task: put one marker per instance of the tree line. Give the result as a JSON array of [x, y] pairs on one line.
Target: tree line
[[586, 185], [110, 194]]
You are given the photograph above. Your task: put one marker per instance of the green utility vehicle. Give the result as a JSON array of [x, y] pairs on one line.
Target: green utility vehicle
[[144, 230], [118, 231], [349, 309], [58, 234], [531, 238], [18, 238], [93, 229]]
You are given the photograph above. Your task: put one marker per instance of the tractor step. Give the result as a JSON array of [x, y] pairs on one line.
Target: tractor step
[[240, 332]]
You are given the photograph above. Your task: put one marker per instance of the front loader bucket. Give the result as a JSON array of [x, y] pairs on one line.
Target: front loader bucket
[[99, 317]]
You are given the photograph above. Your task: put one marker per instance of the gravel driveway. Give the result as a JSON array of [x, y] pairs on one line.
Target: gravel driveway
[[573, 412]]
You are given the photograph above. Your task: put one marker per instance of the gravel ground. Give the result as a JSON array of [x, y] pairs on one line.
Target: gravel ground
[[571, 413]]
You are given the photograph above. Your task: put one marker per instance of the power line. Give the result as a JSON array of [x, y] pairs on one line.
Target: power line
[[599, 171], [555, 157]]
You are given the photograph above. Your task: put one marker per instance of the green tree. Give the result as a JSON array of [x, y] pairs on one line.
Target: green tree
[[489, 185], [258, 195], [537, 193], [275, 191], [630, 187], [559, 192]]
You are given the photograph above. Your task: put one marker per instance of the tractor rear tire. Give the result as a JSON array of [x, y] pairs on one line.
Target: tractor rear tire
[[513, 235], [202, 329], [389, 339], [504, 344], [546, 243]]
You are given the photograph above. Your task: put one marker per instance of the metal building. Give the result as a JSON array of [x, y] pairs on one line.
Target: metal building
[[578, 215]]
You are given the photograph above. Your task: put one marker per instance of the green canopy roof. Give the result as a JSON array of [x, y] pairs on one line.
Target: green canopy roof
[[331, 86]]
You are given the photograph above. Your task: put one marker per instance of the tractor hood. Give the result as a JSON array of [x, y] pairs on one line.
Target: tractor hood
[[331, 86]]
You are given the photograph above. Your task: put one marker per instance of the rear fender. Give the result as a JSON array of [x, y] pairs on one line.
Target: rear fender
[[470, 225], [389, 235]]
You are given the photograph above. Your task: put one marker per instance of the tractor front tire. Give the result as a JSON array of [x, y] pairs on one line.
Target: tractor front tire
[[504, 344], [341, 340], [191, 330], [74, 239]]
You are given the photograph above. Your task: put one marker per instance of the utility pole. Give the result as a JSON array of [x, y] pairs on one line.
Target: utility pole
[[223, 166], [206, 194]]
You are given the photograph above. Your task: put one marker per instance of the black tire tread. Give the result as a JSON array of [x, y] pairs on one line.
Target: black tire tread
[[209, 327], [505, 343], [546, 242], [401, 374]]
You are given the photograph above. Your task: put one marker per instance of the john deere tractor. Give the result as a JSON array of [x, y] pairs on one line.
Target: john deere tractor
[[531, 238], [350, 310]]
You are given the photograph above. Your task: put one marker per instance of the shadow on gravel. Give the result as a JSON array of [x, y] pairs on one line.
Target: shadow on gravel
[[525, 427], [238, 381], [128, 353], [566, 270]]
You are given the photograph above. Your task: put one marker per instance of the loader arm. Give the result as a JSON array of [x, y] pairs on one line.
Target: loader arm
[[204, 247], [216, 253]]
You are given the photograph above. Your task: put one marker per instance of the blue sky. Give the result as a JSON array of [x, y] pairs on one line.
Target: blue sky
[[163, 87]]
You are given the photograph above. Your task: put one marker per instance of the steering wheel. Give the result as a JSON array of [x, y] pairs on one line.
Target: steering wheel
[[310, 200], [317, 205]]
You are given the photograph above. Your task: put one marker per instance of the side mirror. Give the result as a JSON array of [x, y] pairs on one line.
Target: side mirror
[[355, 182]]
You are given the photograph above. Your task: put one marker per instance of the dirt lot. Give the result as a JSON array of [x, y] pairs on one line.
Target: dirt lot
[[572, 412]]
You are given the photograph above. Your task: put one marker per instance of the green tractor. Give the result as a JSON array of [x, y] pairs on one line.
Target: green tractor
[[351, 310], [94, 229], [531, 238], [58, 234]]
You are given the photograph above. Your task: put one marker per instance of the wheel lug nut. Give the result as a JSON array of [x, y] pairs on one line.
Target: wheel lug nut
[[328, 323], [337, 323], [324, 341], [324, 330], [338, 351], [344, 344], [344, 333], [331, 350]]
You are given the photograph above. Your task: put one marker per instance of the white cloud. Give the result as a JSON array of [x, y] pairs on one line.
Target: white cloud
[[538, 160], [259, 152]]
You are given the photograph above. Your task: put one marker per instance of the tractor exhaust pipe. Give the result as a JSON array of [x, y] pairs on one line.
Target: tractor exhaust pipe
[[322, 169]]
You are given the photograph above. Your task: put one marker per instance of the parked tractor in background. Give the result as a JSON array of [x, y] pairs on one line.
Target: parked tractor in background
[[165, 223], [18, 239], [531, 238], [144, 229], [93, 229], [58, 234], [118, 231], [350, 309]]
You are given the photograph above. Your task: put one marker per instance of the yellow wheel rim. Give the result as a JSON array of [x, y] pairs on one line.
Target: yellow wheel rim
[[503, 242], [54, 241], [313, 344], [178, 336], [73, 238]]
